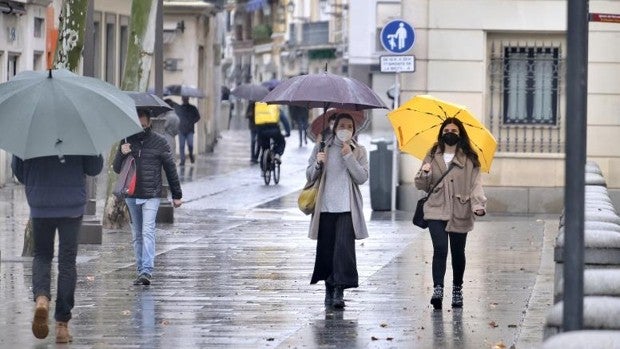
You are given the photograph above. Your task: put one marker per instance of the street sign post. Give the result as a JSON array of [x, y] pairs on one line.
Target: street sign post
[[397, 36]]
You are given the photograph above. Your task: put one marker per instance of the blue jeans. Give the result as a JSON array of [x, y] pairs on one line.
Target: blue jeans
[[44, 234], [143, 213], [183, 138]]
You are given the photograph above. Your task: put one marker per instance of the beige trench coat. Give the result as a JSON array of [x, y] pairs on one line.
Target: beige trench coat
[[357, 214], [458, 195]]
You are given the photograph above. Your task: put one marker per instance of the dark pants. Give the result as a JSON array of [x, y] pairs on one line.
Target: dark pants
[[440, 252], [254, 149], [335, 251], [267, 134], [302, 124], [44, 233]]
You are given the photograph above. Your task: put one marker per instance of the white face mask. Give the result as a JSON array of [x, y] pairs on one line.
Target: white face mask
[[344, 135]]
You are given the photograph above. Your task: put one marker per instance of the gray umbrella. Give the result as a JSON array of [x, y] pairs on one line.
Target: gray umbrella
[[183, 91], [57, 112], [252, 92], [149, 101], [325, 90]]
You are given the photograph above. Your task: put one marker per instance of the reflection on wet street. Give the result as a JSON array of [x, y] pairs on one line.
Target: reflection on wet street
[[233, 271]]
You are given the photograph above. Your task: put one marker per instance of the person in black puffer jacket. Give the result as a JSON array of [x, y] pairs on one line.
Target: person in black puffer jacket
[[151, 152]]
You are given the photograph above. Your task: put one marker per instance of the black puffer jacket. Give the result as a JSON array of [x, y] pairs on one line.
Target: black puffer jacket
[[151, 152]]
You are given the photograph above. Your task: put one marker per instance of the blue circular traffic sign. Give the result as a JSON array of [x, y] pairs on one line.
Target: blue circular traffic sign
[[397, 36]]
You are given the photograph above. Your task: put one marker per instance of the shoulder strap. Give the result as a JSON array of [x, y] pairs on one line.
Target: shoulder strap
[[440, 179]]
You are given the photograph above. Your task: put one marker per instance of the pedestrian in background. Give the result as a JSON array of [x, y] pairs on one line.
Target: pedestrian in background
[[451, 207], [56, 194], [151, 153], [188, 116], [300, 118], [338, 218], [171, 126]]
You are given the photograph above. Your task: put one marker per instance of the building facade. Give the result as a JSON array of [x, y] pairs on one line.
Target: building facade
[[505, 60], [191, 50]]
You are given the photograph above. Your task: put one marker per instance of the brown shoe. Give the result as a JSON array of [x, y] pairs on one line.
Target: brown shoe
[[62, 333], [39, 323]]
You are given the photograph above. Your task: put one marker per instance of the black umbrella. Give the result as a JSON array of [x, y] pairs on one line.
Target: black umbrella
[[325, 90], [149, 101]]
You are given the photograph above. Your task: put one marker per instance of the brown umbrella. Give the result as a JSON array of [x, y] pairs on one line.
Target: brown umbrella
[[321, 122]]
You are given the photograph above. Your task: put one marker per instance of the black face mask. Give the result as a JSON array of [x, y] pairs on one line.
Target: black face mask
[[450, 138]]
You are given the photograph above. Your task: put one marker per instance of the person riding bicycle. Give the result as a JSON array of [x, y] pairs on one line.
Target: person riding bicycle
[[267, 120]]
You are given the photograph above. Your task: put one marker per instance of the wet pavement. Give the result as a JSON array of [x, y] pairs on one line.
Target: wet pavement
[[233, 271]]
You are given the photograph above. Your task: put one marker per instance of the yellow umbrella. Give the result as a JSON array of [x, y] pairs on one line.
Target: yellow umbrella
[[417, 122]]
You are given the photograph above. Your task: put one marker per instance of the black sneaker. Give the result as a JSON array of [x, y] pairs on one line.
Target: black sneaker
[[457, 297], [145, 279], [437, 297], [138, 280]]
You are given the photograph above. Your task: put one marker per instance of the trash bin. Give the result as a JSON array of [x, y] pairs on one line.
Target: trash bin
[[381, 176]]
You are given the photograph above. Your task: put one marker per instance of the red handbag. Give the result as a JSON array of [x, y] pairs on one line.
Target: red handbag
[[126, 183]]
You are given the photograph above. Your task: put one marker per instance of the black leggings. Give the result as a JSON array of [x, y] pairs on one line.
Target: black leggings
[[440, 238]]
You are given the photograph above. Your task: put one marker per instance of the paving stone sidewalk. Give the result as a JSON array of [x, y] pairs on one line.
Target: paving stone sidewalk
[[233, 271]]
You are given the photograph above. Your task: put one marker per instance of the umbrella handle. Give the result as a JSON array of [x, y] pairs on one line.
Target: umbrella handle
[[322, 147]]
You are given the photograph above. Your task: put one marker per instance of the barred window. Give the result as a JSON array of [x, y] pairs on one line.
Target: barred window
[[526, 92], [530, 85]]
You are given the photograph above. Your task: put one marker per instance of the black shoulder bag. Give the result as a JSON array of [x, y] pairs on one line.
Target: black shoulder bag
[[418, 216]]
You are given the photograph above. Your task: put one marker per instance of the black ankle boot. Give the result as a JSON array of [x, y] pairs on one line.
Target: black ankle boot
[[457, 296], [338, 301], [437, 297], [329, 295]]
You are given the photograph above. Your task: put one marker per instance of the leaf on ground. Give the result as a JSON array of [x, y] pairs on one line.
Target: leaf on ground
[[493, 324], [390, 338], [499, 345], [126, 312], [374, 338], [384, 325]]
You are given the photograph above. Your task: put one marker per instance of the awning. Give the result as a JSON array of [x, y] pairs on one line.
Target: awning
[[255, 5]]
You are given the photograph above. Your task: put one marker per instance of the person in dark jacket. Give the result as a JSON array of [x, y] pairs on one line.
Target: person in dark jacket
[[300, 118], [188, 116], [151, 153], [56, 194]]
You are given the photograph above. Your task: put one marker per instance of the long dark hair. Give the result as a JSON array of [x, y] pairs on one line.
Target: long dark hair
[[464, 144]]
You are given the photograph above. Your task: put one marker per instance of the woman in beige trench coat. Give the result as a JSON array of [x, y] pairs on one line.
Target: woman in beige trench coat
[[451, 207]]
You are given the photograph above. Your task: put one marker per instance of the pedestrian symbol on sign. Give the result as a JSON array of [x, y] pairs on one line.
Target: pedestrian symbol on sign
[[397, 36], [400, 34]]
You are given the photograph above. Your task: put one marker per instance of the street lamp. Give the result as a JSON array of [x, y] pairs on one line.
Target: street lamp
[[290, 7]]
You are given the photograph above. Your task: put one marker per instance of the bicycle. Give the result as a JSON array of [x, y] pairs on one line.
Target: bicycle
[[268, 165]]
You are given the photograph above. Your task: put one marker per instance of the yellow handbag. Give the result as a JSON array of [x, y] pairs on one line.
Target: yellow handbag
[[307, 198]]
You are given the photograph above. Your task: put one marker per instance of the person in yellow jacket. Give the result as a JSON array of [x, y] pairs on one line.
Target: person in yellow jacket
[[452, 206], [267, 118]]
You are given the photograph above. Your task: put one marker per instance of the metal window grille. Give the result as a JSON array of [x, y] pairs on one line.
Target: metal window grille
[[526, 91]]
